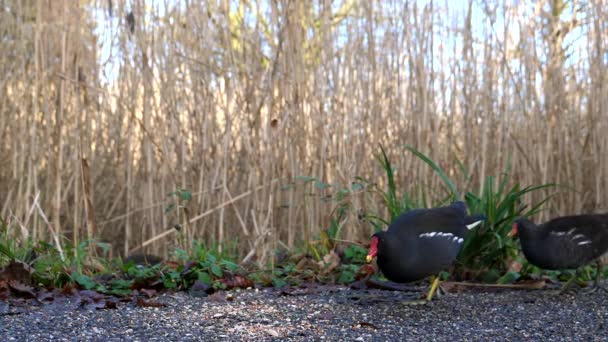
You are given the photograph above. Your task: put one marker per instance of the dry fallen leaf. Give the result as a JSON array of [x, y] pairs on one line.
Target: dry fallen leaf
[[17, 271], [306, 263], [111, 303], [148, 303], [68, 289], [46, 296], [239, 282], [330, 261], [365, 271], [22, 289], [218, 297], [514, 266], [148, 292], [3, 290]]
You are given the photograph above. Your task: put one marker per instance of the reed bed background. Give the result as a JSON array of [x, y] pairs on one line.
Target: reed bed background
[[106, 107]]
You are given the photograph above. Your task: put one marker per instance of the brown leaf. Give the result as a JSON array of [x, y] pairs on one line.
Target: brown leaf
[[141, 302], [237, 281], [153, 282], [306, 263], [172, 265], [531, 284], [90, 295], [68, 289], [111, 303], [18, 271], [46, 296], [451, 287], [91, 300], [330, 261], [148, 292], [515, 266], [218, 297], [22, 289], [3, 290], [365, 271]]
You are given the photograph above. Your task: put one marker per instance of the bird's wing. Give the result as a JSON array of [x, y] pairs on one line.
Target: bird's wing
[[586, 224], [443, 219], [581, 230]]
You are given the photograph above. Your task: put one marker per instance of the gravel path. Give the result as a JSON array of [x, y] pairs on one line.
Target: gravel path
[[318, 314]]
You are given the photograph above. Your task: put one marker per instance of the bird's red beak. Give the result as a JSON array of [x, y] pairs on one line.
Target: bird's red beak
[[513, 230], [373, 249]]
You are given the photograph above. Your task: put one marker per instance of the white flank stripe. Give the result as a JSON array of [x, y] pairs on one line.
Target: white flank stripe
[[474, 224], [571, 231], [450, 236], [578, 236], [558, 233], [584, 242]]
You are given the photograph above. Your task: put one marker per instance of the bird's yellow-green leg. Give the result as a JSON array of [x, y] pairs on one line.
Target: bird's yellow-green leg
[[568, 283], [433, 289], [596, 283]]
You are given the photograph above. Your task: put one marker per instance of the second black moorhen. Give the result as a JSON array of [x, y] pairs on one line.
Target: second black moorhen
[[568, 242], [421, 243]]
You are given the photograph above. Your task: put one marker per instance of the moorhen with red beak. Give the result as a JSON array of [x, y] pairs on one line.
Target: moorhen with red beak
[[421, 243], [568, 242]]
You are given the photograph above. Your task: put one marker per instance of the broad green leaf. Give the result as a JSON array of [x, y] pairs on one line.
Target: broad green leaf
[[508, 278], [83, 280], [216, 270], [278, 282], [204, 277]]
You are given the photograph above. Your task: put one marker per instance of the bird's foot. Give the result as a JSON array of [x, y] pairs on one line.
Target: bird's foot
[[567, 287]]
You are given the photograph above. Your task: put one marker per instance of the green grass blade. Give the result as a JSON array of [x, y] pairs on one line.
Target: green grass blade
[[444, 177]]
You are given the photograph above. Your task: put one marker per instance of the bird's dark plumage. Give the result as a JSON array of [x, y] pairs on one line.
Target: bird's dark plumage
[[421, 242], [567, 242]]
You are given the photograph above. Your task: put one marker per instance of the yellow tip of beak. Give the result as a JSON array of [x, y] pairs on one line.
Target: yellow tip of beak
[[369, 258]]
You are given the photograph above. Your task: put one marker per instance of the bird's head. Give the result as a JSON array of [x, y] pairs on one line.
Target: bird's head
[[519, 225], [373, 246], [513, 231]]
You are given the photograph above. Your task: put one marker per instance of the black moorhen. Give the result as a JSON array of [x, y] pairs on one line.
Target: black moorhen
[[568, 242], [421, 243]]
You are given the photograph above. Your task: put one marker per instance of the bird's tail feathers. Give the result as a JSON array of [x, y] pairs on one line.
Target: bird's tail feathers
[[474, 221]]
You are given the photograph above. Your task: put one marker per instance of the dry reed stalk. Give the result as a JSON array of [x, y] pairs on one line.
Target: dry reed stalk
[[88, 201], [229, 95], [198, 217]]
